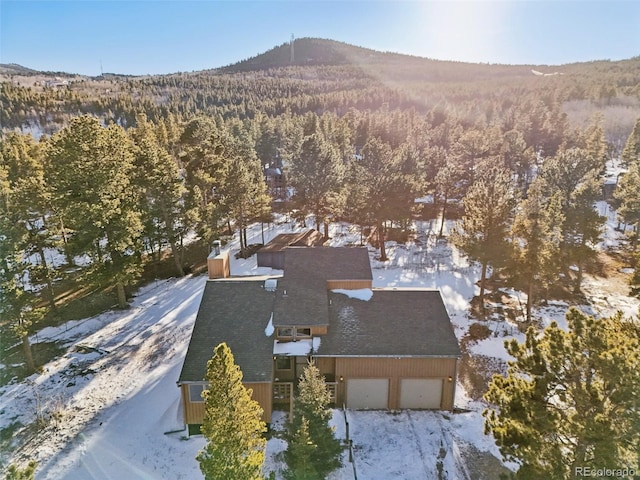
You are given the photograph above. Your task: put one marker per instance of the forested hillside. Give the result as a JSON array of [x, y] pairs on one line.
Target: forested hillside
[[103, 178]]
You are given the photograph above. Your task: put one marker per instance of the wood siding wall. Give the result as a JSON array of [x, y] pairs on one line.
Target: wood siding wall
[[319, 330], [394, 369], [194, 412], [349, 284], [218, 266]]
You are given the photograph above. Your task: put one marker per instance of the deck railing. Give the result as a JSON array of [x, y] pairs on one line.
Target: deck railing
[[333, 391], [282, 392]]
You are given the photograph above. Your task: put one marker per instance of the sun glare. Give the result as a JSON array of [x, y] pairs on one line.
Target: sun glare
[[471, 31]]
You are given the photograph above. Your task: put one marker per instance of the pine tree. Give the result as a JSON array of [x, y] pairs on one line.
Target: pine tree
[[390, 191], [23, 223], [447, 187], [627, 193], [316, 174], [243, 194], [584, 224], [203, 148], [26, 210], [300, 452], [631, 150], [89, 169], [311, 404], [482, 232], [575, 175], [232, 423], [536, 236], [569, 398], [161, 191], [26, 473]]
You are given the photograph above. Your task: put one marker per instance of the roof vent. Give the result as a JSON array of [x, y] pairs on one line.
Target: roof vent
[[270, 284]]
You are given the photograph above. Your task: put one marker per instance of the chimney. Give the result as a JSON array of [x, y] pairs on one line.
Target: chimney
[[218, 263]]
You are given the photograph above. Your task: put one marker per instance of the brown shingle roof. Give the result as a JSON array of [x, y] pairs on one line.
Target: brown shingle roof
[[306, 271], [391, 323], [235, 312]]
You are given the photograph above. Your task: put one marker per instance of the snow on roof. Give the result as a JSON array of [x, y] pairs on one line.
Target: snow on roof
[[363, 294], [268, 331], [299, 348]]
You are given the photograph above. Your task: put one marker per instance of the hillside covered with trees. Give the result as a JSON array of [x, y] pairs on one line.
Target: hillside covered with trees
[[102, 177]]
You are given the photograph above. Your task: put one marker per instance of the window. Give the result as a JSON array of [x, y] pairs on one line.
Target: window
[[284, 363], [195, 392], [303, 332], [286, 332]]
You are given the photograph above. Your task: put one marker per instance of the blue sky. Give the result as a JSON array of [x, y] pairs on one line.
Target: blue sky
[[151, 36]]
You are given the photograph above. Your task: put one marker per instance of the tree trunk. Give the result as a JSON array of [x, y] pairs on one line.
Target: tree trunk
[[383, 253], [122, 297], [578, 285], [326, 230], [444, 212], [244, 233], [529, 300], [262, 231], [65, 241], [176, 257], [483, 277], [50, 294], [28, 356]]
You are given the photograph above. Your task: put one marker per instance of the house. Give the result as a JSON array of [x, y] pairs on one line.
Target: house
[[376, 348]]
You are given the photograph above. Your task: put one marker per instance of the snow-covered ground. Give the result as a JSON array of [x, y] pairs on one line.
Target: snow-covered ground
[[109, 407]]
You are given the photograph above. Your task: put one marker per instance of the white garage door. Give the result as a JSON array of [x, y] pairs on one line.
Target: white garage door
[[372, 393], [420, 393]]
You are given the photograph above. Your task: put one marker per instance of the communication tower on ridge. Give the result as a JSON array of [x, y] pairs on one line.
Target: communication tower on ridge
[[292, 54]]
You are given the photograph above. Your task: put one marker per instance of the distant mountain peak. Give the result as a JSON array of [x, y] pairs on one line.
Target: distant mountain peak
[[308, 52]]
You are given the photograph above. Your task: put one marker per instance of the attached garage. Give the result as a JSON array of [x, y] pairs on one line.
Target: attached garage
[[420, 393], [368, 393]]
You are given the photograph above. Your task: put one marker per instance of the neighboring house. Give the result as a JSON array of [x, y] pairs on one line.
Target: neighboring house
[[272, 254], [377, 348], [275, 179]]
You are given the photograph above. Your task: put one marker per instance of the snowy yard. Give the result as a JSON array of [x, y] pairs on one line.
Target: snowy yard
[[109, 407]]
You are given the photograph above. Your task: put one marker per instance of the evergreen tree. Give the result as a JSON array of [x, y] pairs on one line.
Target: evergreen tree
[[536, 236], [203, 150], [627, 194], [26, 473], [316, 174], [243, 194], [25, 211], [311, 405], [300, 452], [488, 209], [390, 190], [232, 423], [631, 150], [584, 224], [162, 191], [447, 187], [569, 398], [89, 169], [574, 175]]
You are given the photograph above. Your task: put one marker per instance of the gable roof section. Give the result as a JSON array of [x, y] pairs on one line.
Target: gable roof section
[[306, 271], [235, 312], [309, 238], [395, 323]]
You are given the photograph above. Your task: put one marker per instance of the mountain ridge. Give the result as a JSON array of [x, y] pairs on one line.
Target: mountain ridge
[[312, 51]]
